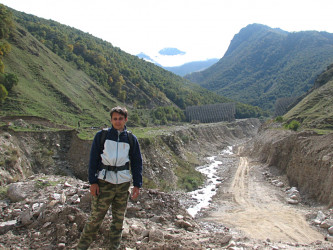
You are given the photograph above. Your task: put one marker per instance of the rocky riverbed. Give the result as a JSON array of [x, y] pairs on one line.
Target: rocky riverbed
[[49, 212]]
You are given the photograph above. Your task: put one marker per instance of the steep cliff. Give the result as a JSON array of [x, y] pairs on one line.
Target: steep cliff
[[305, 157]]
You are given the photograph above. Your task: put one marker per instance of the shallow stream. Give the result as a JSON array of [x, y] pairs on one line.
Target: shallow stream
[[203, 196]]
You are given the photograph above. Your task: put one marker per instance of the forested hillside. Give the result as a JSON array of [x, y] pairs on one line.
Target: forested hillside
[[263, 64], [316, 109], [67, 75]]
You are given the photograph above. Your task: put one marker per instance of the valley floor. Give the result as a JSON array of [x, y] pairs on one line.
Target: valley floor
[[254, 207]]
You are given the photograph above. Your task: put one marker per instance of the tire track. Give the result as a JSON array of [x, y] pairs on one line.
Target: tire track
[[255, 209]]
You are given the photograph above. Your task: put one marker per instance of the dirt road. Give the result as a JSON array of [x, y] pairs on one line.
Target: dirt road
[[253, 206]]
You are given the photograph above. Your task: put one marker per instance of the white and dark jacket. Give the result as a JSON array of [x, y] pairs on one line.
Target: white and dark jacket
[[116, 153]]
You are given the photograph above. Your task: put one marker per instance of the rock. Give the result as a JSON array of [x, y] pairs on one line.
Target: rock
[[280, 184], [61, 246], [320, 216], [145, 240], [156, 235], [71, 218], [26, 218], [293, 196], [327, 223], [6, 226], [330, 230], [62, 239], [158, 219], [136, 229], [231, 244], [326, 158], [36, 235], [52, 203], [226, 239], [38, 208], [179, 217], [17, 191], [86, 199], [183, 224], [317, 222], [16, 212], [63, 198], [47, 224], [292, 201], [66, 184]]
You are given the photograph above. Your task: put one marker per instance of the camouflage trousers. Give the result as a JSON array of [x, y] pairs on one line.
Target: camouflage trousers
[[115, 195]]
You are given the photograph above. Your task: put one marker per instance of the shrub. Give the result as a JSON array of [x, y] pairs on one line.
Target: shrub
[[279, 119], [10, 81], [293, 125]]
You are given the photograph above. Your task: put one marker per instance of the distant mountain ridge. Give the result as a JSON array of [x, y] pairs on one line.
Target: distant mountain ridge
[[184, 69], [263, 64], [190, 67]]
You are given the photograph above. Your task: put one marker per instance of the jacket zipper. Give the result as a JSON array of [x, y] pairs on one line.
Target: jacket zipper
[[117, 158]]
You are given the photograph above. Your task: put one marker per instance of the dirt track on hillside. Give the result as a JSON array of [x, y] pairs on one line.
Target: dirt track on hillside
[[247, 202]]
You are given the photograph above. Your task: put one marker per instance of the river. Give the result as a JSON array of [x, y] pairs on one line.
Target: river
[[203, 196]]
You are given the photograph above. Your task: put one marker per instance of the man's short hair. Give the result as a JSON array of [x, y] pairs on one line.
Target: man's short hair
[[120, 110]]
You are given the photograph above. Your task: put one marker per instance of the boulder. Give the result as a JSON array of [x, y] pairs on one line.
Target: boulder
[[327, 223], [156, 235], [18, 191]]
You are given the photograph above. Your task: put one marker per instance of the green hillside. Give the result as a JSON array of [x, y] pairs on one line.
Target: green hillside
[[263, 64], [51, 88], [67, 76], [316, 109]]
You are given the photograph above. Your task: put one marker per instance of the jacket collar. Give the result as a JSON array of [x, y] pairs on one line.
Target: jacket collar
[[113, 130]]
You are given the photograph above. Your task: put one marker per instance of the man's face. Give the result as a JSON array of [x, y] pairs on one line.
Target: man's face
[[118, 121]]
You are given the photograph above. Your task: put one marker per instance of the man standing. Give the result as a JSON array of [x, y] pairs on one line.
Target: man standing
[[110, 177]]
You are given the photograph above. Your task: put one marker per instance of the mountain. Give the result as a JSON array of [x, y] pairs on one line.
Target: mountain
[[66, 75], [184, 69], [148, 58], [263, 64], [190, 67], [315, 110]]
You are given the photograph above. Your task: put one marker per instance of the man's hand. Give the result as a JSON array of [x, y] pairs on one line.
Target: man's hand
[[94, 189], [135, 193]]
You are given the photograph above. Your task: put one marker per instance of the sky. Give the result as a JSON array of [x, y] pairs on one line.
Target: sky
[[201, 28]]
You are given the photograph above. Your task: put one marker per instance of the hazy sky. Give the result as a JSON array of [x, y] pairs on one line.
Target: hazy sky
[[201, 28]]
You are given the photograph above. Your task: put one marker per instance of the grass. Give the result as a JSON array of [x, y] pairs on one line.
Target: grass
[[40, 184], [315, 111], [323, 131], [188, 178], [3, 192], [148, 183], [51, 88]]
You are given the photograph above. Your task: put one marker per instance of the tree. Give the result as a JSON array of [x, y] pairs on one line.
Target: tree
[[9, 80], [6, 22], [3, 93], [122, 95]]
